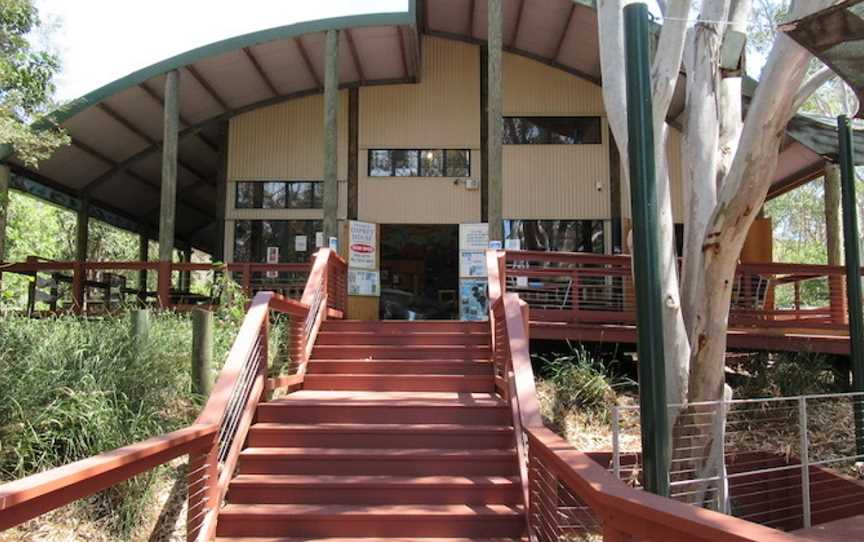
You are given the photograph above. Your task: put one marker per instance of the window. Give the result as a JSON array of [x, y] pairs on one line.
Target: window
[[252, 237], [557, 235], [419, 163], [552, 131], [279, 195]]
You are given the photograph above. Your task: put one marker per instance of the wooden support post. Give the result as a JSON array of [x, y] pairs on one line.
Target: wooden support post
[[834, 242], [202, 351], [82, 224], [168, 206], [186, 276], [78, 287], [163, 288], [143, 255], [140, 323], [331, 112], [5, 179], [495, 130], [221, 193], [353, 152]]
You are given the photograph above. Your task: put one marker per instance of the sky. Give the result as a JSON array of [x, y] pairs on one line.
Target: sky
[[99, 41]]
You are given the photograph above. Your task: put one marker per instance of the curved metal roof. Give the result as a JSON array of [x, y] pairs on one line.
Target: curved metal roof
[[116, 130]]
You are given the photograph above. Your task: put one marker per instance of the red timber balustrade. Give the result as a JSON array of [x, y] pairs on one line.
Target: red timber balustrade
[[99, 287], [569, 287], [214, 441], [569, 496]]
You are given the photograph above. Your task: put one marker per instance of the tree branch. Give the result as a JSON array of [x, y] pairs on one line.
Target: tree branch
[[813, 84], [667, 60]]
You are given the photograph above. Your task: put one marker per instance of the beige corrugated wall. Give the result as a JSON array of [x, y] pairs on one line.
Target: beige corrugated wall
[[674, 154], [285, 141], [553, 181], [442, 111]]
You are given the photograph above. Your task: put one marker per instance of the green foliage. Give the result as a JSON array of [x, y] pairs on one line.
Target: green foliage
[[579, 381], [786, 374], [26, 83], [73, 388]]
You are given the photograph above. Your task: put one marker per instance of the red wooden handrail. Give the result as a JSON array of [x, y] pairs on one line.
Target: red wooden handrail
[[35, 495], [213, 443]]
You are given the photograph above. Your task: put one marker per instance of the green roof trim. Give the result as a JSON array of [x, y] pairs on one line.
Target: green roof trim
[[394, 18]]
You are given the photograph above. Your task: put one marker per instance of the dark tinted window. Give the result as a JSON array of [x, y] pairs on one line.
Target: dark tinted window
[[253, 237], [557, 235], [419, 163], [552, 131], [279, 195]]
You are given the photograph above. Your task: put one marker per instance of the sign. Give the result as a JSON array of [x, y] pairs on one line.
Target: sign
[[472, 264], [301, 244], [473, 236], [319, 239], [365, 283], [272, 257], [362, 245], [472, 299]]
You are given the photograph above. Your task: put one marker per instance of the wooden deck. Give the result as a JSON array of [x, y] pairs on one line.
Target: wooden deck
[[591, 298]]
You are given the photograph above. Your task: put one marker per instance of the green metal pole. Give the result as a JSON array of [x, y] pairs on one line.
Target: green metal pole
[[853, 273], [646, 252]]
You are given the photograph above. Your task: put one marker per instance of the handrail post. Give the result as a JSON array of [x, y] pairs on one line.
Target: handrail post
[[78, 280], [805, 460]]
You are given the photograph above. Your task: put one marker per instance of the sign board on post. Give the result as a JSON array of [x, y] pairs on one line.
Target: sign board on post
[[363, 276], [362, 245], [473, 240], [272, 257]]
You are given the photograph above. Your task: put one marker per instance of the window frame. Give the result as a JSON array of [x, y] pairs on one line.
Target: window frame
[[547, 139], [419, 154], [258, 195]]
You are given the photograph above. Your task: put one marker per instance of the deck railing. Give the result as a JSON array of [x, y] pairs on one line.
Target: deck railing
[[569, 495], [100, 287], [214, 441], [580, 288]]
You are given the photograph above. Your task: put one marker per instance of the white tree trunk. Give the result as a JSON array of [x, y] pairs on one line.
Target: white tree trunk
[[664, 76]]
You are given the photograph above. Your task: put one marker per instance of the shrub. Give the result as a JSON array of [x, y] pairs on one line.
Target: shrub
[[73, 388], [785, 374]]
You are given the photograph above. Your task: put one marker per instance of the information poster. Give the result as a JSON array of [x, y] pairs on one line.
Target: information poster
[[272, 257], [473, 241], [363, 283], [301, 244], [362, 245]]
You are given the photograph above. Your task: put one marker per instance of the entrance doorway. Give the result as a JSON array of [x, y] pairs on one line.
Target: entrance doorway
[[419, 272]]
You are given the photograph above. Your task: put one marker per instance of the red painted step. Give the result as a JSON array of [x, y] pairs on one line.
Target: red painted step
[[359, 435], [405, 326], [404, 367], [366, 539], [308, 489], [390, 382], [459, 352], [394, 462], [318, 406], [403, 338], [309, 520]]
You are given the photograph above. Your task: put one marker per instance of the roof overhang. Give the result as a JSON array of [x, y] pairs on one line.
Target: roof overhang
[[116, 130]]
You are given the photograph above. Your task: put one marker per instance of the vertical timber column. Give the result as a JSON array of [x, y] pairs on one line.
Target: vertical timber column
[[646, 252], [834, 238], [82, 236], [143, 255], [495, 123], [5, 178], [168, 207], [853, 273], [331, 112]]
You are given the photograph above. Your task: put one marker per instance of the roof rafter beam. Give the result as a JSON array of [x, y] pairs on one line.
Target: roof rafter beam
[[402, 55], [158, 99], [140, 178], [472, 12], [205, 84], [355, 58], [560, 47], [519, 22], [126, 123], [308, 63], [260, 70]]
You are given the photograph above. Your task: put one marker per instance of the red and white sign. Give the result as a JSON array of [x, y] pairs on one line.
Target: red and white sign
[[362, 245], [272, 257]]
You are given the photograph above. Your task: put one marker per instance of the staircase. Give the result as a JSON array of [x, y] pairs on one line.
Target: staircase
[[397, 433]]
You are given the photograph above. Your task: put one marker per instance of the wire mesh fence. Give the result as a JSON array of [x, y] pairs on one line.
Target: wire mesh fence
[[786, 462]]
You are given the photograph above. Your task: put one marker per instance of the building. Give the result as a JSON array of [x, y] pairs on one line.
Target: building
[[412, 146]]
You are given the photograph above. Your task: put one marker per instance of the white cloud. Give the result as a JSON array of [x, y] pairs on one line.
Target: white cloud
[[102, 40]]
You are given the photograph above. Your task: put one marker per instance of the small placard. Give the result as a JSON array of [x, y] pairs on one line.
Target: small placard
[[272, 257], [301, 244], [365, 283]]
